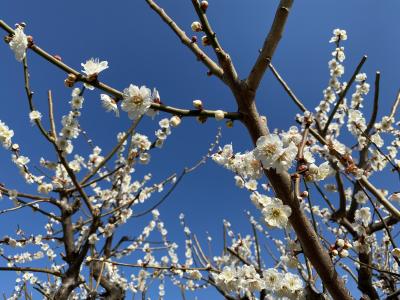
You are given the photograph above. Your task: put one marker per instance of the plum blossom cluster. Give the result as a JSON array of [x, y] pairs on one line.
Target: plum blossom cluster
[[247, 280]]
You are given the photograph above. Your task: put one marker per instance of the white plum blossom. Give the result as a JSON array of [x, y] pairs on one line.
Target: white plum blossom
[[136, 101], [286, 158], [93, 239], [272, 279], [361, 197], [19, 43], [45, 188], [363, 216], [35, 115], [5, 135], [276, 214], [109, 104], [268, 149], [141, 142], [93, 66], [338, 35]]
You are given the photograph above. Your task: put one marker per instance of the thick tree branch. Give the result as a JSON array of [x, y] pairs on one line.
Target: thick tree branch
[[270, 44]]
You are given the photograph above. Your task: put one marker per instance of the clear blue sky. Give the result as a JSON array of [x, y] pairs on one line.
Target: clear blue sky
[[141, 49]]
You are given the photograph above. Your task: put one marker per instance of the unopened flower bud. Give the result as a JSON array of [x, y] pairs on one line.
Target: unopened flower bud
[[263, 119], [198, 104], [334, 252], [196, 26], [175, 121], [204, 5], [202, 119], [340, 242], [344, 253], [30, 40], [70, 81], [205, 41], [347, 245], [219, 115], [194, 39], [229, 123], [396, 252], [304, 194]]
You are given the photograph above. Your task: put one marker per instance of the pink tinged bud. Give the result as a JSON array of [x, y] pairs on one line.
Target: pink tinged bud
[[334, 252], [30, 40], [69, 82], [58, 57], [304, 194], [196, 26], [205, 41], [194, 39], [347, 245], [204, 5]]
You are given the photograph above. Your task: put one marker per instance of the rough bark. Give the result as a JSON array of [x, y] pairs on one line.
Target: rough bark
[[282, 186]]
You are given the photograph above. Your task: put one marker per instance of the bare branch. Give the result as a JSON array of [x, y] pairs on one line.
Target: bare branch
[[270, 44], [200, 54]]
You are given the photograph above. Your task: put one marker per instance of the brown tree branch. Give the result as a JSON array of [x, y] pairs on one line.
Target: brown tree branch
[[270, 44], [200, 54]]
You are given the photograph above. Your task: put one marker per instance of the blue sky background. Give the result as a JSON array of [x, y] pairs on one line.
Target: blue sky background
[[142, 50]]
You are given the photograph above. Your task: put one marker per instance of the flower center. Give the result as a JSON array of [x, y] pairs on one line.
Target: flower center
[[137, 99], [269, 149]]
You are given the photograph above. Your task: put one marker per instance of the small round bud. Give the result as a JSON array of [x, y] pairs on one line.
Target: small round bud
[[198, 104], [58, 57], [340, 242], [204, 5], [304, 194], [202, 119], [196, 26], [194, 39], [15, 147], [347, 245], [205, 41], [229, 123], [30, 40], [175, 121], [396, 252], [219, 115], [344, 253], [334, 252], [69, 82]]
